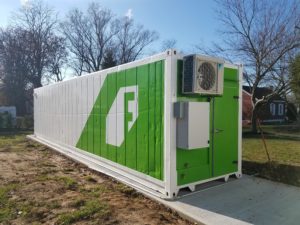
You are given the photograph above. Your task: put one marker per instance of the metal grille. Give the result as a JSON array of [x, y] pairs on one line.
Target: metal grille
[[188, 67], [206, 76]]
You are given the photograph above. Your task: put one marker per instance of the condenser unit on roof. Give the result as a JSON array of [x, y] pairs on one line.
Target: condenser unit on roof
[[203, 75]]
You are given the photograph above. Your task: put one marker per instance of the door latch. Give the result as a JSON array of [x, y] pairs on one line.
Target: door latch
[[218, 130]]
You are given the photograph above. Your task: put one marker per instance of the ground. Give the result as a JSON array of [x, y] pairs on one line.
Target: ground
[[40, 186], [283, 146], [282, 151]]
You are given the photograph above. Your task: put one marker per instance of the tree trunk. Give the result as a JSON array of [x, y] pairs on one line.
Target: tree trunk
[[254, 121]]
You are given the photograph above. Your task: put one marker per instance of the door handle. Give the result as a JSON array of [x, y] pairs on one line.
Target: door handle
[[218, 130]]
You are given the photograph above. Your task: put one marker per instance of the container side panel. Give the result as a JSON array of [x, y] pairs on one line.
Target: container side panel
[[111, 94], [143, 121], [96, 115], [103, 112], [225, 116], [121, 152], [221, 156], [127, 116], [90, 127], [158, 118], [192, 165], [151, 113], [84, 92], [162, 100], [130, 137]]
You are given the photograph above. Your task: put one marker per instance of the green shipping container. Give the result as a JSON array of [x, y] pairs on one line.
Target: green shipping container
[[159, 124]]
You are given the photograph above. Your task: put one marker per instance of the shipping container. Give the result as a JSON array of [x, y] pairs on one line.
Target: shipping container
[[158, 124]]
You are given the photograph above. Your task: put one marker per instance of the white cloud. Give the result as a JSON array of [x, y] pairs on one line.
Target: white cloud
[[24, 2], [129, 14]]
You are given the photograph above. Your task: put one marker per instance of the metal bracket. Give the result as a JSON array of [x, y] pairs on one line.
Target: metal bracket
[[179, 110]]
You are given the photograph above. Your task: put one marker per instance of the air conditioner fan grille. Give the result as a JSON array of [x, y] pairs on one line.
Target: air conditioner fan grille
[[206, 76]]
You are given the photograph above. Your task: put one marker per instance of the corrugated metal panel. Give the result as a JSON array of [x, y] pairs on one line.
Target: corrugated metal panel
[[75, 113], [141, 146]]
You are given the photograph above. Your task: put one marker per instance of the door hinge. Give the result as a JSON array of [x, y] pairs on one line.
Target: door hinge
[[235, 162], [236, 97]]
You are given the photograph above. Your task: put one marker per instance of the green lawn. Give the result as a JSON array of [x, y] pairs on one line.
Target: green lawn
[[283, 129], [282, 151]]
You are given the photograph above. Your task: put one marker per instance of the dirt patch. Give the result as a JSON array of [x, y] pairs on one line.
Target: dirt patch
[[287, 174], [40, 186]]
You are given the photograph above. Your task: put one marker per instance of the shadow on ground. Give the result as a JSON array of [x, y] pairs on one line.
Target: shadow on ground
[[274, 171]]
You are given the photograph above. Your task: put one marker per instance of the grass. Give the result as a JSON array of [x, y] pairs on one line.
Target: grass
[[58, 191], [68, 182], [282, 151], [6, 206], [86, 211], [292, 130], [284, 155], [128, 191]]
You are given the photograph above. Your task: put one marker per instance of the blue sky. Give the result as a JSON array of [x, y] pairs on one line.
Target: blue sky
[[189, 22]]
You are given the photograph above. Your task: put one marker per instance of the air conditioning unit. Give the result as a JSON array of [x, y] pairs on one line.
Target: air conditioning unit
[[203, 75]]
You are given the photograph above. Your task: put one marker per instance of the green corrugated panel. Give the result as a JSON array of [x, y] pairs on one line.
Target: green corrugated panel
[[111, 94], [192, 158], [190, 175], [90, 131], [222, 157], [151, 121], [121, 152], [96, 132], [162, 84], [142, 148], [130, 137], [226, 119], [142, 127], [158, 116], [84, 141], [104, 107]]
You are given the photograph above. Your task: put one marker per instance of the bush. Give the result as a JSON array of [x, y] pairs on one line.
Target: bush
[[6, 120], [25, 122]]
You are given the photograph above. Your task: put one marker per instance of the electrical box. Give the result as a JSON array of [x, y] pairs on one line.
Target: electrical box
[[192, 124]]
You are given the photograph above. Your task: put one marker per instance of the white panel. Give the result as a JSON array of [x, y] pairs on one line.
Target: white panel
[[193, 128], [90, 93], [112, 119], [68, 124], [198, 125], [82, 102], [62, 109], [83, 107]]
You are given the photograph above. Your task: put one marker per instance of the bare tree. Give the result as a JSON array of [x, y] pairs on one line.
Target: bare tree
[[41, 42], [109, 59], [261, 34], [30, 53], [168, 43], [88, 36], [132, 40], [57, 60], [13, 68]]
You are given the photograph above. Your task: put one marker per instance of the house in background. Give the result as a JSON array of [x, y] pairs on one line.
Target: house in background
[[22, 107], [272, 112]]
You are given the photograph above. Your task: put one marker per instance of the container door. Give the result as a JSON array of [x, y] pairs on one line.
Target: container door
[[225, 129]]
